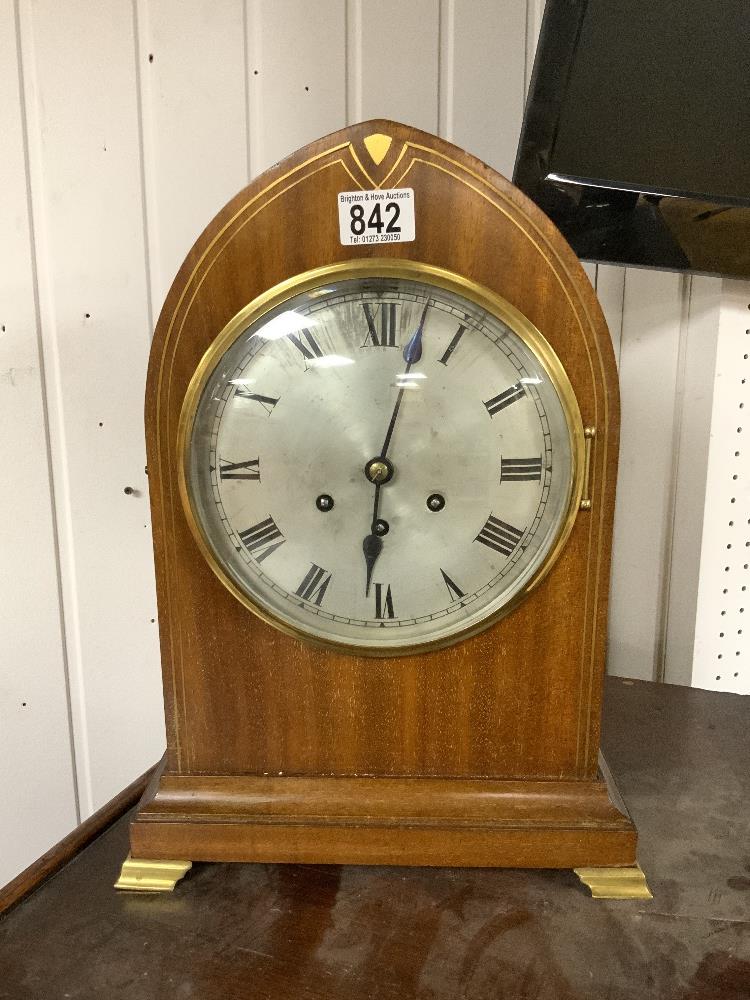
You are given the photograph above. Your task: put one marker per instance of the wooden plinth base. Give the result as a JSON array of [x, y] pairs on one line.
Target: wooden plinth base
[[385, 821]]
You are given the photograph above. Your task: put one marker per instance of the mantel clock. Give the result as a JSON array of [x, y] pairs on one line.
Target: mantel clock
[[382, 424]]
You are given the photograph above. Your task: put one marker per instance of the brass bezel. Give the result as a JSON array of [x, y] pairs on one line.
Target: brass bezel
[[385, 268]]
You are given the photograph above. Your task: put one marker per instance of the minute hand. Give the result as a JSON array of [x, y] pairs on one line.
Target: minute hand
[[372, 545], [412, 353]]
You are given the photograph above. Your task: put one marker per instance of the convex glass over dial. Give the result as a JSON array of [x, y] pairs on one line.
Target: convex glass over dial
[[380, 456]]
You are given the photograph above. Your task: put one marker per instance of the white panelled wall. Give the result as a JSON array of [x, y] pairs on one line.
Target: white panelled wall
[[127, 124], [723, 600]]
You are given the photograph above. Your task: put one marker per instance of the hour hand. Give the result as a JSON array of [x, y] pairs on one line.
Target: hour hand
[[372, 547]]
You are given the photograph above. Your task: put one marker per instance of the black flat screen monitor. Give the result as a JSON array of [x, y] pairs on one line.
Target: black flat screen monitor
[[636, 137]]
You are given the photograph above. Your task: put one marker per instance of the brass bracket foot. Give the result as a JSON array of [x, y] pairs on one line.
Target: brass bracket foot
[[615, 883], [144, 875]]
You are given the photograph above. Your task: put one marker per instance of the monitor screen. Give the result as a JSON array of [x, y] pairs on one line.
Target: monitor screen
[[636, 135], [658, 99]]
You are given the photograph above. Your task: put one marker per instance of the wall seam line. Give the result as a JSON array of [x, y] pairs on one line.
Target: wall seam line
[[445, 74], [248, 97], [145, 215], [686, 290], [353, 57], [77, 760]]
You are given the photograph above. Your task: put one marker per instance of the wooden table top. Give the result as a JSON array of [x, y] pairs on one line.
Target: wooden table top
[[235, 932]]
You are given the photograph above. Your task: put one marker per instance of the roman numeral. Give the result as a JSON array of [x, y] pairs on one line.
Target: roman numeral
[[240, 470], [499, 536], [260, 539], [452, 346], [314, 585], [267, 402], [381, 324], [498, 403], [309, 350], [455, 591], [520, 470], [383, 602]]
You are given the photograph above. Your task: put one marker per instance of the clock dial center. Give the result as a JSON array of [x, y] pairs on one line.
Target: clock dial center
[[379, 471]]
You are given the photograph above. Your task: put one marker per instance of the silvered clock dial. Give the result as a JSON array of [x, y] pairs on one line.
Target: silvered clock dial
[[380, 456]]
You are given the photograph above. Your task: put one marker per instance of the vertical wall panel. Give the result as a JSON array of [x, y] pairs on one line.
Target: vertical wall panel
[[648, 374], [194, 86], [610, 289], [590, 270], [297, 66], [397, 60], [696, 390], [84, 144], [36, 767], [484, 42], [722, 632], [534, 15]]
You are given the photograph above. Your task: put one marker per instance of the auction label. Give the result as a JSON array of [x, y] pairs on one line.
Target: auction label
[[376, 216]]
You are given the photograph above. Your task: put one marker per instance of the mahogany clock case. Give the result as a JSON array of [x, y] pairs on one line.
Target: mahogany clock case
[[482, 753]]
